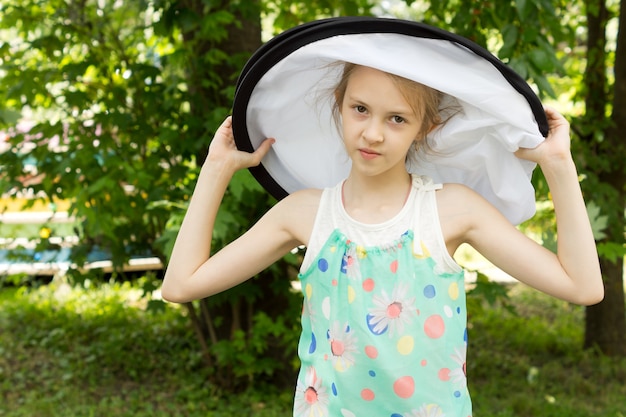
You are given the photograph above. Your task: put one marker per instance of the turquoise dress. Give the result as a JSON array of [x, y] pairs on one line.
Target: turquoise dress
[[384, 333]]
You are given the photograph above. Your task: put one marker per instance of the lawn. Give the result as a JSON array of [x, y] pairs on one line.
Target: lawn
[[96, 351]]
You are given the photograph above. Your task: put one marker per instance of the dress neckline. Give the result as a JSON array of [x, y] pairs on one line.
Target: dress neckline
[[376, 226]]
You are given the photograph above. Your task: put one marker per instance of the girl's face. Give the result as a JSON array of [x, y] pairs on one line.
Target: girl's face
[[379, 125]]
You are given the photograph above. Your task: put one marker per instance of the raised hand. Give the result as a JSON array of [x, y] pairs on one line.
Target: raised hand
[[224, 151], [556, 147]]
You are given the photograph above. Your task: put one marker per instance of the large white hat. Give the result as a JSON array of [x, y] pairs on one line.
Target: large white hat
[[284, 91]]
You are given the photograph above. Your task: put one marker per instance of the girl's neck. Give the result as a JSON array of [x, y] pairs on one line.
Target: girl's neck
[[375, 199]]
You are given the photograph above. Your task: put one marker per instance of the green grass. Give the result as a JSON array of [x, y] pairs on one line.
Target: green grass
[[71, 352], [532, 364]]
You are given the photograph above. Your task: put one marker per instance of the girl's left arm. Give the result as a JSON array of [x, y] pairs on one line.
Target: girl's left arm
[[573, 273]]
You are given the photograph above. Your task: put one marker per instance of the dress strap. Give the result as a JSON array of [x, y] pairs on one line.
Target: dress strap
[[425, 183], [424, 188]]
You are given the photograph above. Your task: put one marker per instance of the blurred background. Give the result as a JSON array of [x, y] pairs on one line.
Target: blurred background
[[107, 108]]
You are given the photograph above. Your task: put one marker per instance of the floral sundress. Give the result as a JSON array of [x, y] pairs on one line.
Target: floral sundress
[[384, 333]]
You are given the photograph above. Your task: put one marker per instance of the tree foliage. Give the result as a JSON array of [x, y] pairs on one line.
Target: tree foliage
[[123, 98], [108, 114], [523, 34]]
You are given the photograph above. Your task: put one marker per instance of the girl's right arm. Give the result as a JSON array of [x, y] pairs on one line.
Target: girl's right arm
[[192, 272]]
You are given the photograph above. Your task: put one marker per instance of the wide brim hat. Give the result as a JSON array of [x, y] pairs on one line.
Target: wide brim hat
[[285, 92]]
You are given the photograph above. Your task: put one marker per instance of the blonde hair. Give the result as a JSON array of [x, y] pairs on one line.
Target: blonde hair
[[423, 100]]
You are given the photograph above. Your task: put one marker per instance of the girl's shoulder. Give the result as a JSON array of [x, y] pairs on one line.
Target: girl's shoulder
[[306, 199], [459, 209], [452, 195], [297, 212], [455, 196], [460, 201]]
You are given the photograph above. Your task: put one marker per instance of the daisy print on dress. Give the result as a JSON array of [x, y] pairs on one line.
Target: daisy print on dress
[[457, 375], [343, 346], [350, 262], [311, 397], [308, 311], [430, 410], [391, 313]]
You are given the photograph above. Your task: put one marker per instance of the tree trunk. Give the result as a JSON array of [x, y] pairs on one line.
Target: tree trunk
[[605, 323], [224, 318]]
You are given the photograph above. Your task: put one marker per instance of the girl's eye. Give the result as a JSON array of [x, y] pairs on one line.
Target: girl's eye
[[360, 109], [397, 119]]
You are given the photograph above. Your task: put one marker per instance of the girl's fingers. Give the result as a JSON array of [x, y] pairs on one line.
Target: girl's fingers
[[261, 151], [224, 149]]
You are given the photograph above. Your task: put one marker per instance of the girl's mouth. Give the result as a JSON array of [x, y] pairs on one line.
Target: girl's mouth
[[368, 154]]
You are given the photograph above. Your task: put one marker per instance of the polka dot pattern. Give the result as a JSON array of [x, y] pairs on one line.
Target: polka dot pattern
[[367, 394], [404, 387], [429, 291], [405, 345], [371, 352], [384, 332], [322, 264], [434, 326], [368, 285]]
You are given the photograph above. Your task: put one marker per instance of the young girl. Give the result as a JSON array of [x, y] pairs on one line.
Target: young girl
[[384, 320]]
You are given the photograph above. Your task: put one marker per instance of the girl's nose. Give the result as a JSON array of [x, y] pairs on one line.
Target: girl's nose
[[373, 132]]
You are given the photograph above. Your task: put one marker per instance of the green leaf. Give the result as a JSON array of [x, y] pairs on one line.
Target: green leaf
[[544, 86], [611, 251], [510, 34], [519, 66], [598, 221], [492, 292], [530, 34], [524, 8], [541, 59]]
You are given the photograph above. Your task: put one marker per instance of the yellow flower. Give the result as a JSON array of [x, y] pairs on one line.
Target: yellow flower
[[45, 232]]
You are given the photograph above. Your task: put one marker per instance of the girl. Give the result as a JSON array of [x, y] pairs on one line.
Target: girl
[[384, 320]]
